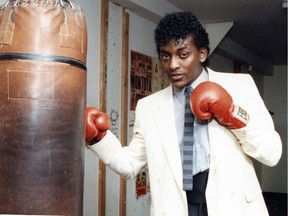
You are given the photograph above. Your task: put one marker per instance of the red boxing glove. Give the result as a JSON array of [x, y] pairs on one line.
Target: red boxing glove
[[209, 99], [97, 123]]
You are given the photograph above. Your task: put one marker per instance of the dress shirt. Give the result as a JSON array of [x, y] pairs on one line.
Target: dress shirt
[[201, 153]]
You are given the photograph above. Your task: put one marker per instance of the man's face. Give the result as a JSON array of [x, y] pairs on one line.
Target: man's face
[[182, 61]]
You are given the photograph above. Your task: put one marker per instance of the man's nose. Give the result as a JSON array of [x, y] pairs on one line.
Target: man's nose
[[174, 63]]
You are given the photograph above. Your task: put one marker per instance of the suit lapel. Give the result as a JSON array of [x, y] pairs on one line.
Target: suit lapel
[[164, 117]]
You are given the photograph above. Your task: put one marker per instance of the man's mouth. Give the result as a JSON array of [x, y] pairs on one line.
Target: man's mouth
[[176, 76]]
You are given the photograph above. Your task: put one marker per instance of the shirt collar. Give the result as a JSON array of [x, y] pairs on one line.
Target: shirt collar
[[202, 78]]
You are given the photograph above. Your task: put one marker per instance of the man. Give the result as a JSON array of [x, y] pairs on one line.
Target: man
[[231, 126]]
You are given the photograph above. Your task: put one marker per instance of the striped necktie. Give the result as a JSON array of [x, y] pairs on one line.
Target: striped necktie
[[188, 142]]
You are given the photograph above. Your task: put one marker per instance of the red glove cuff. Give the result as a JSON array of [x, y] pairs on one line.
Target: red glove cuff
[[240, 118]]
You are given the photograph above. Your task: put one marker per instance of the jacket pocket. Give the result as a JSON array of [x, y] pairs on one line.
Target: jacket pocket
[[251, 193]]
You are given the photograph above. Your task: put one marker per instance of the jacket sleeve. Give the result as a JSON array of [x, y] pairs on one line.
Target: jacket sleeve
[[127, 161], [259, 138]]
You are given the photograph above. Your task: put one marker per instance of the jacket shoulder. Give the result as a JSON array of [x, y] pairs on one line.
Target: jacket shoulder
[[215, 75], [233, 80], [157, 97]]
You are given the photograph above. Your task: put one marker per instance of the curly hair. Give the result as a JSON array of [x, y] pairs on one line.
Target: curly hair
[[180, 25]]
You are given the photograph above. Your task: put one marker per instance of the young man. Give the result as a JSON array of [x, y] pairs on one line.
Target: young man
[[231, 126]]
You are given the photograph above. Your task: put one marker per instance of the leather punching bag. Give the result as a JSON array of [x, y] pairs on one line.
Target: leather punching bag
[[43, 48]]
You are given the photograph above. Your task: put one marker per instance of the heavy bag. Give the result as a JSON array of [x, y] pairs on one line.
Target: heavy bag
[[43, 47]]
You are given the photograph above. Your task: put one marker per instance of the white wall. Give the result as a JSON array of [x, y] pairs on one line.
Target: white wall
[[140, 40], [114, 99], [92, 12]]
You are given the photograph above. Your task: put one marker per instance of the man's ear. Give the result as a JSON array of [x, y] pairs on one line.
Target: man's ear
[[203, 54]]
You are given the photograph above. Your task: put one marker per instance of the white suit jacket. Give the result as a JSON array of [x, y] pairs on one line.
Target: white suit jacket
[[232, 188]]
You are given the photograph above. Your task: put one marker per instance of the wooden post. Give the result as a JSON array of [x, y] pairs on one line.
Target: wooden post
[[124, 102], [102, 95]]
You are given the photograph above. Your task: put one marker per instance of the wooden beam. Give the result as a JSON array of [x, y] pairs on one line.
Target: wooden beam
[[102, 95], [124, 102]]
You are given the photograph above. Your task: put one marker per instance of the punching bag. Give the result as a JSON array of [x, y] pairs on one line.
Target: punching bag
[[43, 47]]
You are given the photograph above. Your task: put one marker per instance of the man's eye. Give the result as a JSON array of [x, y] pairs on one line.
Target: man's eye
[[164, 56], [183, 55]]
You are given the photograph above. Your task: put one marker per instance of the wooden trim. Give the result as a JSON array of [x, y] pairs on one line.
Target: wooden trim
[[102, 96], [124, 102]]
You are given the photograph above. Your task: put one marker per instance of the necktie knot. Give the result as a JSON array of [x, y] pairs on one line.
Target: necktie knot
[[188, 90]]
